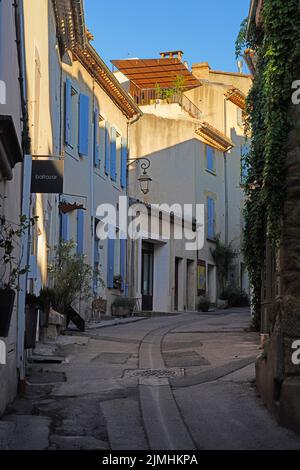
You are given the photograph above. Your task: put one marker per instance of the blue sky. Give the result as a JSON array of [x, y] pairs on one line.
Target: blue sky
[[204, 29]]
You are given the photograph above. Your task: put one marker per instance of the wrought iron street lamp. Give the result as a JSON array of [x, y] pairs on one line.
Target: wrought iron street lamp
[[144, 179]]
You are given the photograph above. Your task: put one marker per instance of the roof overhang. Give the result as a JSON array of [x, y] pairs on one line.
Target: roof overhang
[[213, 137], [73, 36], [147, 73], [236, 97], [90, 59], [71, 25]]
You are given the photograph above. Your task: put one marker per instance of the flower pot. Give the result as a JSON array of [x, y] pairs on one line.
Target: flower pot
[[120, 311], [7, 300]]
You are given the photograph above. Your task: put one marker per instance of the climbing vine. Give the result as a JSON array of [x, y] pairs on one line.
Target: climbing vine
[[277, 46]]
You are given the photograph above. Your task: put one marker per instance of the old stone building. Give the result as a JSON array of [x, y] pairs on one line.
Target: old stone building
[[277, 371]]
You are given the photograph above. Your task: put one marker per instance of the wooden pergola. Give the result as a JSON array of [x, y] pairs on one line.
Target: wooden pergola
[[148, 73]]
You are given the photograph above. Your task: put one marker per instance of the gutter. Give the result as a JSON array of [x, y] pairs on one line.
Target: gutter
[[25, 192], [251, 15]]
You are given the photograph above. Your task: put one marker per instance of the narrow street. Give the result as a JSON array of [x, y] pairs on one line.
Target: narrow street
[[174, 382]]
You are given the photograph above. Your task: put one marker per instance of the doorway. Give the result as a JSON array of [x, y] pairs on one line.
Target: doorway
[[147, 276], [190, 285]]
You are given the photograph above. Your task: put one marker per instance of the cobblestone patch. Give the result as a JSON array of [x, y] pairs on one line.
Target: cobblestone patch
[[111, 358], [161, 374]]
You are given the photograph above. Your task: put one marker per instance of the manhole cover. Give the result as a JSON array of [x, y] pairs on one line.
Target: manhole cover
[[160, 374]]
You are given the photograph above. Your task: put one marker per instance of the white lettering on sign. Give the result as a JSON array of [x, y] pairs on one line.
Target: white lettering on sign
[[2, 353]]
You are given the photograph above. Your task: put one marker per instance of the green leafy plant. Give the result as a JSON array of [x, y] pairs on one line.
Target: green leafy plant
[[223, 255], [235, 297], [10, 240], [176, 89], [203, 304], [277, 46], [71, 277]]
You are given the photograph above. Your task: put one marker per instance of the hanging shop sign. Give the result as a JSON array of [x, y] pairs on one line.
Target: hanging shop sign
[[47, 177]]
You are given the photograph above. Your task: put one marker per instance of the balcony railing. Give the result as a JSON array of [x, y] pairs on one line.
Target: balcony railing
[[149, 96]]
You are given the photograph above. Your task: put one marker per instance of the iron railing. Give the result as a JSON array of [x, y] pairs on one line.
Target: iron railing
[[148, 96]]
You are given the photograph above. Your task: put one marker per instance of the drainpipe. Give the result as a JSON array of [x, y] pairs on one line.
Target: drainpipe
[[226, 177], [25, 205], [130, 122]]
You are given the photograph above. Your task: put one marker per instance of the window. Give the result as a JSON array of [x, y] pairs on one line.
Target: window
[[118, 161], [210, 159], [71, 110], [96, 149], [211, 218], [102, 146], [240, 117], [117, 256], [64, 227]]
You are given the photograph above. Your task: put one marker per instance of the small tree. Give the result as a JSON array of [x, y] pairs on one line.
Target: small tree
[[71, 277], [223, 255]]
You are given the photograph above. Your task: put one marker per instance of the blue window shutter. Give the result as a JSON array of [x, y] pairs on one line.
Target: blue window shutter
[[210, 157], [64, 227], [80, 231], [68, 113], [123, 246], [124, 163], [110, 263], [113, 154], [83, 134], [96, 138], [107, 148], [210, 218]]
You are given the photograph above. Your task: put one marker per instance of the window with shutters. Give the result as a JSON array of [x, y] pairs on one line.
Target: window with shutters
[[96, 149], [71, 122], [118, 157], [84, 125], [101, 144], [211, 218], [107, 143], [117, 256], [210, 159], [240, 117], [113, 154], [80, 231]]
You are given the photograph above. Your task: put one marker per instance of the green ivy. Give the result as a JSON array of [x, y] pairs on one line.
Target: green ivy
[[277, 47]]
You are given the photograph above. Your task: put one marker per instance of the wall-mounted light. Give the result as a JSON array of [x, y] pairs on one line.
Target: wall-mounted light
[[144, 179]]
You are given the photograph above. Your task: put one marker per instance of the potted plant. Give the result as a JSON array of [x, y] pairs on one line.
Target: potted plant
[[45, 301], [71, 279], [123, 307], [204, 304], [10, 262]]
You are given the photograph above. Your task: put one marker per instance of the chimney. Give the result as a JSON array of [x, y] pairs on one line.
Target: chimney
[[201, 70], [171, 55]]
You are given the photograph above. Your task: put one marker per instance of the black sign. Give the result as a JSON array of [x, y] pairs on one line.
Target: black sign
[[47, 177]]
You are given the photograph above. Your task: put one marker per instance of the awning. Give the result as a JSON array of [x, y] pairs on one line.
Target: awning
[[236, 97], [213, 137]]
